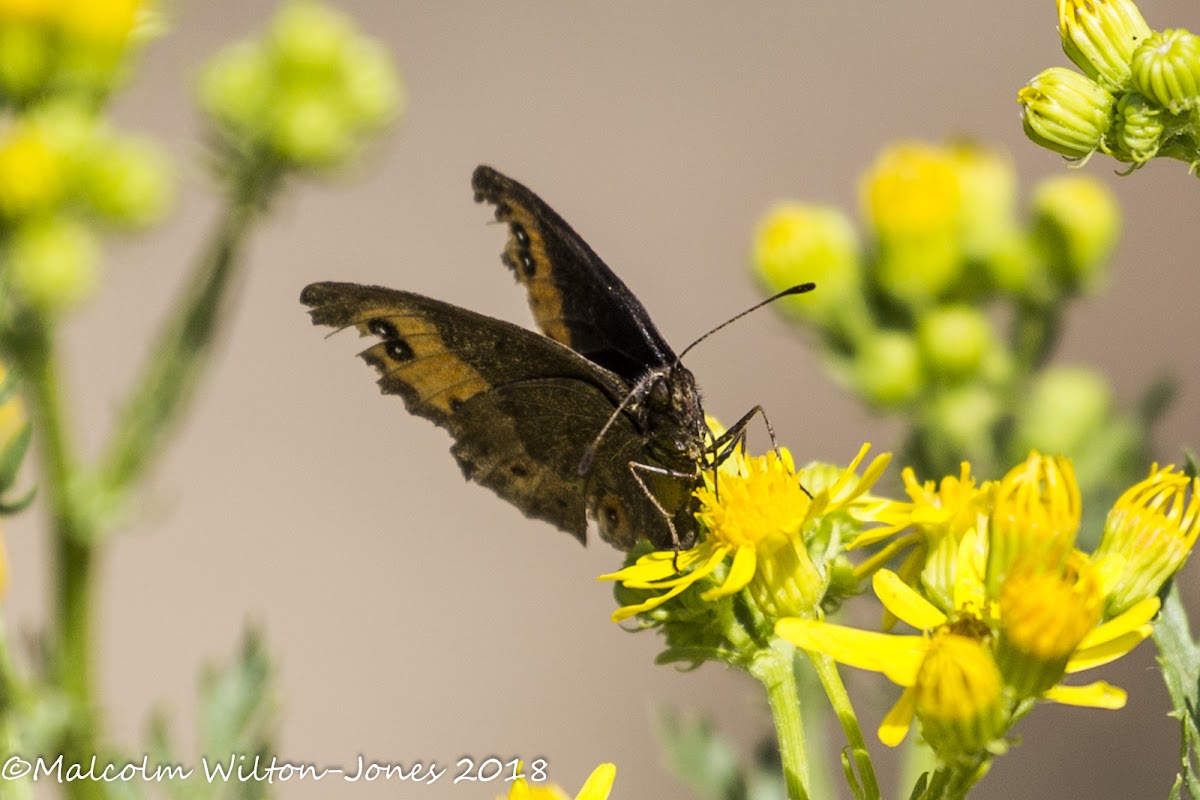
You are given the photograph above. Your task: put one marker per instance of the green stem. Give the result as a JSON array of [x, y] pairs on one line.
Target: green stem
[[73, 556], [773, 667], [180, 354], [835, 690], [953, 781], [1035, 333]]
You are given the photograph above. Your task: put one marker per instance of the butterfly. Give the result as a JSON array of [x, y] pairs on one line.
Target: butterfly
[[593, 418]]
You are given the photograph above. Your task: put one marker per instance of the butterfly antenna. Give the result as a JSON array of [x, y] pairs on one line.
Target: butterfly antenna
[[801, 288]]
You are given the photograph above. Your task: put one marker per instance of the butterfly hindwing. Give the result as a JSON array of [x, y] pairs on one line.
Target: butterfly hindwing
[[576, 299]]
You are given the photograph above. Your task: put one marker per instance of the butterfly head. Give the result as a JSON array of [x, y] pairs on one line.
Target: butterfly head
[[672, 416]]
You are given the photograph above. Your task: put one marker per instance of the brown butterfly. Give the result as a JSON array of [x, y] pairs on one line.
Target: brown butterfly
[[595, 419]]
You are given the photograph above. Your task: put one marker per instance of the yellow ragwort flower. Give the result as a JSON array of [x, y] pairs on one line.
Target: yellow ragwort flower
[[757, 517], [32, 171], [939, 515], [958, 696], [28, 10], [105, 22], [976, 615], [1045, 611], [596, 787], [1035, 514], [1148, 536]]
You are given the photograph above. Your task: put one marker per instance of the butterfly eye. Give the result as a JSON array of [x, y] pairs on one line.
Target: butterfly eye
[[659, 394]]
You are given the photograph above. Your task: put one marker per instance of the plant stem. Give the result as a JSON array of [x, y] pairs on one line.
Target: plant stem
[[835, 690], [773, 667], [72, 557], [180, 354]]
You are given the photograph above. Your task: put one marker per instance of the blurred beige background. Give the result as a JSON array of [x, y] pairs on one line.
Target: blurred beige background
[[415, 617]]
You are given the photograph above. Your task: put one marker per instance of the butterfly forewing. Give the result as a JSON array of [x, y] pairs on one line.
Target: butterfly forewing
[[576, 299]]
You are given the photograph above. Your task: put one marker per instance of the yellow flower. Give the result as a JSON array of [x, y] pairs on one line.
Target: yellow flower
[[756, 517], [596, 787], [912, 189], [1045, 611], [31, 172], [1035, 514], [912, 199], [901, 657], [939, 518], [1148, 536], [959, 695], [27, 10], [105, 22]]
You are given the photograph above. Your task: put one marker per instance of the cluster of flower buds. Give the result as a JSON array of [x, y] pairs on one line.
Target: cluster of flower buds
[[1138, 98], [907, 319], [63, 170], [55, 46], [306, 94]]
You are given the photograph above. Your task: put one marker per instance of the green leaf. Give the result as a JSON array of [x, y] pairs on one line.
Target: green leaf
[[13, 455], [1156, 401], [1179, 658], [701, 759]]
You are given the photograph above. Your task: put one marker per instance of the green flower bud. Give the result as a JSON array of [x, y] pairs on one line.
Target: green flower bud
[[1076, 225], [887, 369], [795, 243], [309, 39], [1065, 408], [1011, 266], [1166, 69], [954, 340], [236, 85], [26, 62], [374, 93], [917, 271], [129, 182], [964, 418], [988, 188], [1137, 129], [1100, 37], [53, 264], [310, 130], [1065, 112]]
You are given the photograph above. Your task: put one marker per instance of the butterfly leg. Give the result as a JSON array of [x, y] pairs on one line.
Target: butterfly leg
[[728, 442], [635, 468]]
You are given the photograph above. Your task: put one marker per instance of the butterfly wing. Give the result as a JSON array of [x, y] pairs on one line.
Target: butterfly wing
[[576, 299], [521, 408]]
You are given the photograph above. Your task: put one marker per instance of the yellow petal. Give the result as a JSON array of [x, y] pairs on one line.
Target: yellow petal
[[903, 601], [745, 561], [899, 719], [1132, 620], [897, 657], [599, 783], [656, 566], [969, 589], [1110, 650], [625, 612], [1094, 695]]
